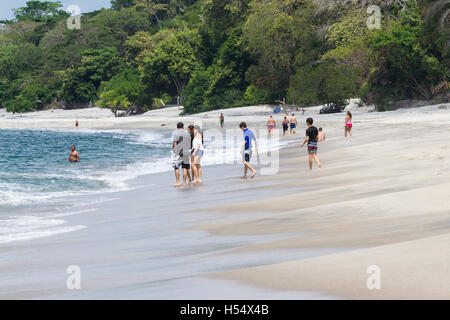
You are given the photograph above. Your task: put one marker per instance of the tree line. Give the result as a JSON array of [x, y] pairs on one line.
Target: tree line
[[223, 53]]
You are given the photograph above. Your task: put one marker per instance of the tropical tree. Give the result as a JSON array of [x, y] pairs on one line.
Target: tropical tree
[[168, 68]]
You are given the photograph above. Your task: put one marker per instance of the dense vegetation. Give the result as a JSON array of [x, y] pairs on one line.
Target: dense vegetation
[[223, 53]]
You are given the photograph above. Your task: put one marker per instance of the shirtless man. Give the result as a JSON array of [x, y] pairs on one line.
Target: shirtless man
[[321, 136], [222, 120], [74, 156], [271, 125], [293, 123]]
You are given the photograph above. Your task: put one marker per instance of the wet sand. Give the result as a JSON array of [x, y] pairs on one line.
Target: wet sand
[[382, 198]]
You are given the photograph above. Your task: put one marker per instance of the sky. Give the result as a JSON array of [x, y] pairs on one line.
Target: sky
[[85, 6]]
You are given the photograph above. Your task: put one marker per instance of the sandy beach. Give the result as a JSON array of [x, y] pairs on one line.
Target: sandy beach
[[382, 198]]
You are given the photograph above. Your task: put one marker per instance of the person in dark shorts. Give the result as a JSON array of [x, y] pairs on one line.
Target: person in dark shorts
[[181, 146], [285, 124], [222, 120], [311, 140], [246, 149], [293, 123]]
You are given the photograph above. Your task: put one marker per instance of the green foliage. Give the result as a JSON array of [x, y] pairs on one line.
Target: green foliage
[[254, 95], [404, 67], [120, 4], [20, 104], [223, 53], [275, 33], [323, 83], [40, 11], [194, 92], [122, 91], [17, 59], [168, 68], [81, 82], [349, 29]]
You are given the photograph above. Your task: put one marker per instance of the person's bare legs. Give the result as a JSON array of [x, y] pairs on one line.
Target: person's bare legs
[[177, 176], [247, 166], [310, 161], [192, 170], [198, 169], [317, 160], [185, 175], [245, 172], [346, 129], [350, 131]]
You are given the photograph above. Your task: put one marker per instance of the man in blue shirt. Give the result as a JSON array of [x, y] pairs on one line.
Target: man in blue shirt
[[246, 149]]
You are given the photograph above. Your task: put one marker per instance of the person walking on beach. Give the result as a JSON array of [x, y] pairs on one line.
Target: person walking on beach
[[76, 124], [190, 130], [271, 125], [311, 140], [181, 143], [285, 124], [348, 124], [197, 154], [74, 156], [222, 120], [293, 123], [246, 149], [321, 136]]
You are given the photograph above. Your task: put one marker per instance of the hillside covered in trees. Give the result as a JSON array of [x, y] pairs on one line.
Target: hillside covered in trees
[[224, 53]]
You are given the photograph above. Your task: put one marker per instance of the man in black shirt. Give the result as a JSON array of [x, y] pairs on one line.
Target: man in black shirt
[[311, 139]]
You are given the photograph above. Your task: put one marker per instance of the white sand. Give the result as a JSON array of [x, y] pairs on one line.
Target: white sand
[[382, 198]]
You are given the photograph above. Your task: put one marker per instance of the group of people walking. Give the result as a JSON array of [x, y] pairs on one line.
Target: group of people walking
[[188, 146], [286, 123]]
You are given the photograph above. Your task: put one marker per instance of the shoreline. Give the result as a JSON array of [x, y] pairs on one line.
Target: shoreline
[[315, 231]]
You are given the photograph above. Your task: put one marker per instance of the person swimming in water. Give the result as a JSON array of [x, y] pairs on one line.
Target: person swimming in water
[[74, 156]]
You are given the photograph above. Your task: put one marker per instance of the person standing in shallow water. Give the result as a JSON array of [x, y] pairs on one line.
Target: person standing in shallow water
[[74, 156], [181, 146], [311, 139], [197, 154]]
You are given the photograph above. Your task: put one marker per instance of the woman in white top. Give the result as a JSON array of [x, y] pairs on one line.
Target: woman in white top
[[197, 153]]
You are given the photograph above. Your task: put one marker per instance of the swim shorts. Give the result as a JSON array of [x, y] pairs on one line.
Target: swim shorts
[[247, 155], [199, 153], [312, 147], [293, 125]]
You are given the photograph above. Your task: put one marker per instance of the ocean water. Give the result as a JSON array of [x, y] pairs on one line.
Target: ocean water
[[37, 181], [34, 165]]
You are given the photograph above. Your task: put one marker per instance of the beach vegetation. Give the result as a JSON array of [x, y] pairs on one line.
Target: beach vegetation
[[211, 54]]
